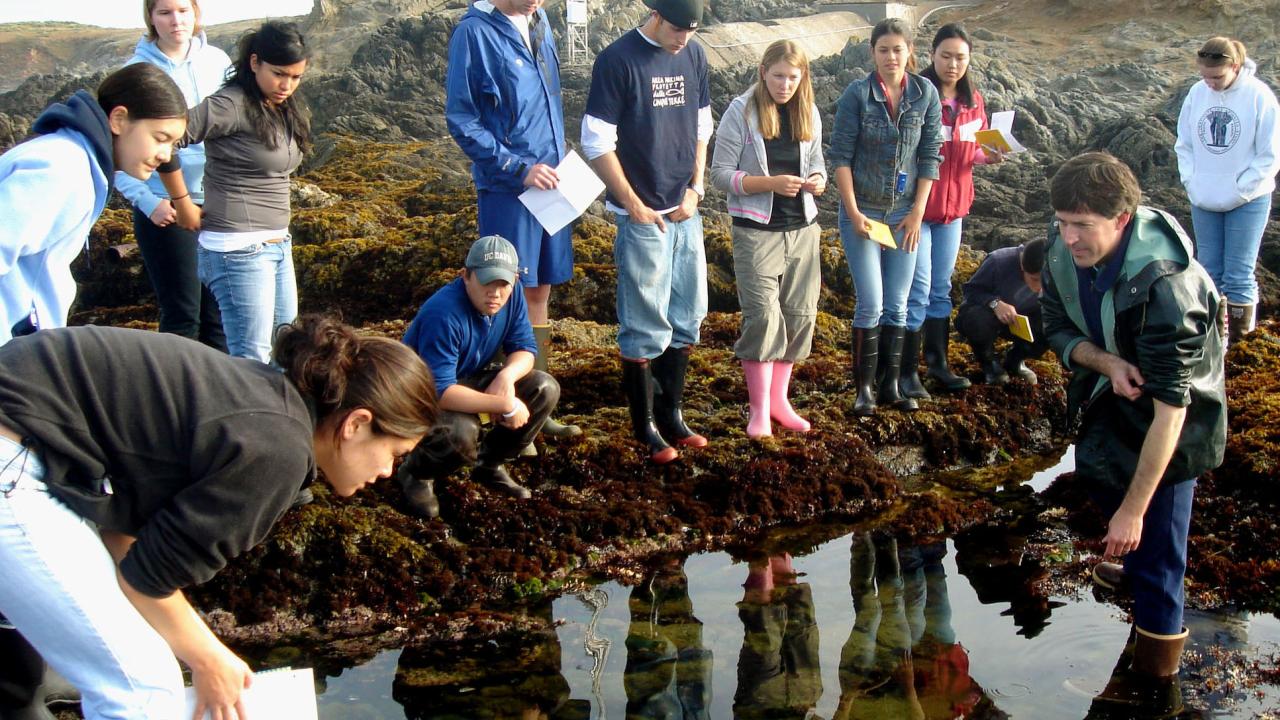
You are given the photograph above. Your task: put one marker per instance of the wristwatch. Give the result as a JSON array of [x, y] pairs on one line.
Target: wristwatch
[[699, 189], [994, 303]]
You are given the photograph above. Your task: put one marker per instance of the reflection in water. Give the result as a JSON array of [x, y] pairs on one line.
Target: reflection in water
[[668, 672], [996, 568], [778, 674], [902, 659], [491, 681]]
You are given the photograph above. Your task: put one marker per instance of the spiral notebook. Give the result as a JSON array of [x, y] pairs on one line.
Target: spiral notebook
[[282, 693]]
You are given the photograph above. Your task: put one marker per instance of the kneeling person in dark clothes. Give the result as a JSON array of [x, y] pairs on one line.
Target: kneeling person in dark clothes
[[1006, 285], [457, 331]]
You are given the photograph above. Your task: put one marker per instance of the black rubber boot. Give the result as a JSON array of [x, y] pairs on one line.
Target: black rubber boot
[[992, 373], [866, 350], [552, 427], [419, 493], [669, 371], [937, 336], [891, 337], [1015, 366], [22, 673], [1240, 321], [496, 478], [909, 384], [637, 384]]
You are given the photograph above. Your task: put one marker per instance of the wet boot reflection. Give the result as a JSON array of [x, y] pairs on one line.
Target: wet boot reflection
[[668, 671], [902, 659], [778, 666]]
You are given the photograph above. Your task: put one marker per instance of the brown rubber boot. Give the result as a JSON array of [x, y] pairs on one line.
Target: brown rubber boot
[[552, 427], [1158, 655], [1109, 575]]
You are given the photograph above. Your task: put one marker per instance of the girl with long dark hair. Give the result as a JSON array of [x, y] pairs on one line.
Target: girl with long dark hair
[[884, 148], [929, 303], [256, 131]]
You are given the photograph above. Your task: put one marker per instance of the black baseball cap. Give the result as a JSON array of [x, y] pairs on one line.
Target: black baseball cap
[[686, 14]]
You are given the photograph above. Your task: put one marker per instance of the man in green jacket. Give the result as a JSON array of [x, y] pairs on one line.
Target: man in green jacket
[[1137, 321]]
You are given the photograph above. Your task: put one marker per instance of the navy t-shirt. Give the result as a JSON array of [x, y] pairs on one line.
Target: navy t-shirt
[[653, 98]]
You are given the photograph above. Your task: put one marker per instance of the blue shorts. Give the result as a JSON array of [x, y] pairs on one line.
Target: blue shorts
[[544, 259]]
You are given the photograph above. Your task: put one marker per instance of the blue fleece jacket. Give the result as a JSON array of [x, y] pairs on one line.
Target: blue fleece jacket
[[503, 106], [52, 190], [456, 341], [198, 75]]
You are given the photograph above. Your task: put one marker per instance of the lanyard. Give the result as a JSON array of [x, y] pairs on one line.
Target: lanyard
[[888, 100]]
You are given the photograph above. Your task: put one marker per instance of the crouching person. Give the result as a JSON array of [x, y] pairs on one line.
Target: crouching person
[[457, 332], [1006, 285]]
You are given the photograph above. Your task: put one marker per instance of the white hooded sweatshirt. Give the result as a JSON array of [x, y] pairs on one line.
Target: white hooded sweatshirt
[[1229, 142]]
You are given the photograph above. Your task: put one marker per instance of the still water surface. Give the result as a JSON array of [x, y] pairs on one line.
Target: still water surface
[[856, 627]]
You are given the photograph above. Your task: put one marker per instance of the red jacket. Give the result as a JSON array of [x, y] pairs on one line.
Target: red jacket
[[952, 193]]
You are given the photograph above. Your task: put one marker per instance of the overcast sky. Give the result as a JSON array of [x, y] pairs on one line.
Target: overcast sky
[[128, 13]]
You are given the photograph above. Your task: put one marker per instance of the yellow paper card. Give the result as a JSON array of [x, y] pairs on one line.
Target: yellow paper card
[[1021, 327], [882, 234], [993, 139]]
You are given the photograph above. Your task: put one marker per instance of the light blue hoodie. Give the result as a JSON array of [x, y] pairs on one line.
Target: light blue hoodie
[[199, 75], [52, 190]]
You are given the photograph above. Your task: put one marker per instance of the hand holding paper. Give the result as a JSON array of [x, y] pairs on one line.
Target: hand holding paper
[[1000, 135], [1021, 327], [284, 693], [576, 189]]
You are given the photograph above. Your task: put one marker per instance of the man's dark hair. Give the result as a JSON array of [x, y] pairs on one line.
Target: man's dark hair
[[1032, 256], [1095, 182]]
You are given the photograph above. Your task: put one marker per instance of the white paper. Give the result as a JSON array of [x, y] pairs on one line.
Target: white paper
[[578, 188], [284, 693], [968, 129], [1003, 121]]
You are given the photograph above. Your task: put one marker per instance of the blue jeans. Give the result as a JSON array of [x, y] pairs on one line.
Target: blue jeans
[[881, 277], [58, 587], [1227, 246], [256, 293], [662, 285], [1157, 568], [935, 261]]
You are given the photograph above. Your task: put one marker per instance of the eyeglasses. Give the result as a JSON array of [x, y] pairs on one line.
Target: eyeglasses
[[1205, 55]]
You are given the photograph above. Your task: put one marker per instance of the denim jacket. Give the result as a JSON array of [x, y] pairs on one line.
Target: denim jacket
[[740, 152], [876, 148]]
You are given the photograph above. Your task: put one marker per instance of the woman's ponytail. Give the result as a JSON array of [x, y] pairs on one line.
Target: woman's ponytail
[[340, 371]]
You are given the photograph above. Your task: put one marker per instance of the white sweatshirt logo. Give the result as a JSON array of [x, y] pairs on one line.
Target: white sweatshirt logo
[[1219, 129]]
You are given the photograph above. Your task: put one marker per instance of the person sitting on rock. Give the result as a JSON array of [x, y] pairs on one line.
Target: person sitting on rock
[[457, 332], [1006, 285]]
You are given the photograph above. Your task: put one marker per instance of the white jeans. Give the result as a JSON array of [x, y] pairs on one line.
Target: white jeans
[[58, 587]]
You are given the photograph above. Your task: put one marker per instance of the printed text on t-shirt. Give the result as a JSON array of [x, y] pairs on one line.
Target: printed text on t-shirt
[[668, 91]]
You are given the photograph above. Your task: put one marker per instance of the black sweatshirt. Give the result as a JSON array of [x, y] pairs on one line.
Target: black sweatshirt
[[1000, 277], [194, 453]]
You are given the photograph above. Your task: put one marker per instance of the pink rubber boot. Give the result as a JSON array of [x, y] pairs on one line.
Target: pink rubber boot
[[759, 375], [779, 406]]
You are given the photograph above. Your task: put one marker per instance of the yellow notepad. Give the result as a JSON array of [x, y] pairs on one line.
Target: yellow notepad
[[882, 234], [1021, 327], [993, 139]]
